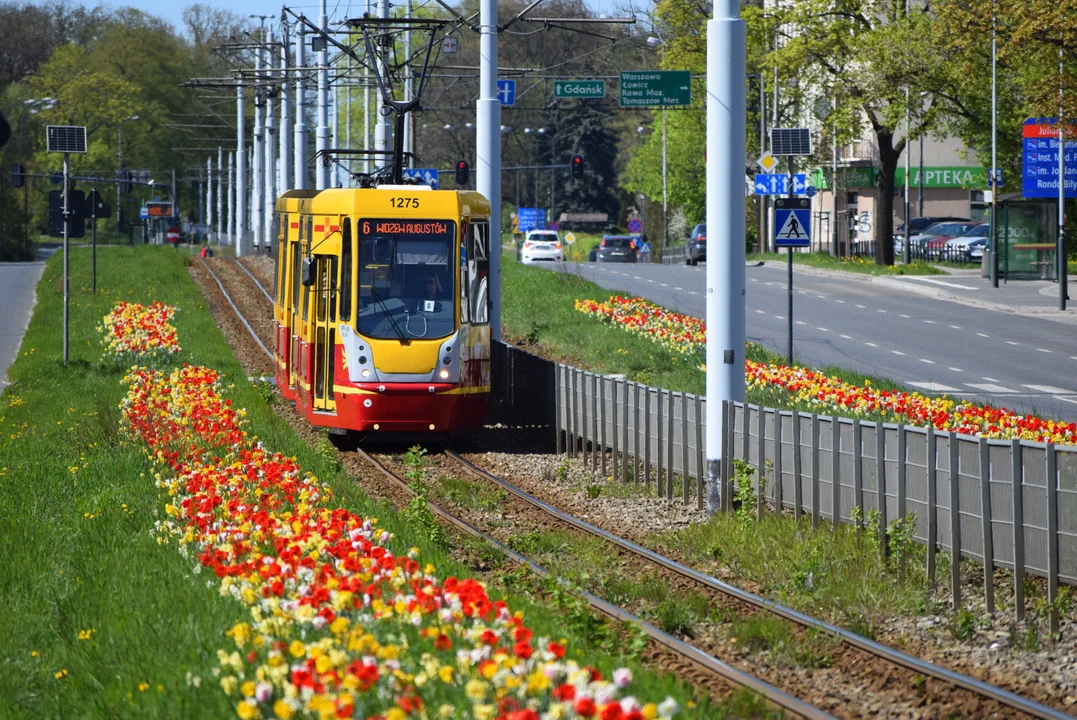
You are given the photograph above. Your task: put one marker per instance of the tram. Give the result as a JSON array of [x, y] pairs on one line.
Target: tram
[[382, 307]]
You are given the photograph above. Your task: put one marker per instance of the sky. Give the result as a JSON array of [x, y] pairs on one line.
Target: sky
[[337, 9]]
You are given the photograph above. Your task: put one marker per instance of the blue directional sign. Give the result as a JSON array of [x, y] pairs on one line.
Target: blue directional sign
[[143, 212], [506, 92], [778, 184], [793, 227], [426, 176], [1039, 159], [531, 219]]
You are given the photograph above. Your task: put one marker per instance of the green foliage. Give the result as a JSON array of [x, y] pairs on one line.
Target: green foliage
[[474, 494], [964, 625], [745, 496]]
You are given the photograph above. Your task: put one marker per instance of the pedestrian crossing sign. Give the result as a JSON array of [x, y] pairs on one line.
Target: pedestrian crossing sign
[[793, 227]]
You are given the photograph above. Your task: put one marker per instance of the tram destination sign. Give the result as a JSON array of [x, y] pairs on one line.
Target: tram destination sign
[[656, 88], [579, 88]]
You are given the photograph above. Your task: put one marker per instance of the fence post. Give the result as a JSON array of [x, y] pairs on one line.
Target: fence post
[[1052, 537], [647, 435], [744, 438], [835, 470], [932, 503], [602, 432], [594, 424], [955, 522], [624, 430], [716, 495], [669, 444], [613, 427], [880, 484], [798, 492], [635, 439], [1016, 477], [902, 458], [574, 392], [585, 408], [761, 471], [659, 445], [685, 475], [558, 388], [778, 461], [858, 476], [700, 453], [985, 514], [814, 471]]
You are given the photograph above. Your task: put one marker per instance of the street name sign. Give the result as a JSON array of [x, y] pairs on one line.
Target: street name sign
[[1039, 159], [579, 88], [656, 88]]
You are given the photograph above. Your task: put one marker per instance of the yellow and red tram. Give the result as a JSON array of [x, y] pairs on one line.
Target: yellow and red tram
[[382, 307]]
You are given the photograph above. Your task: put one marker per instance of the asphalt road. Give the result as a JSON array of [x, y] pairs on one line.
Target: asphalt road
[[17, 283], [1028, 364]]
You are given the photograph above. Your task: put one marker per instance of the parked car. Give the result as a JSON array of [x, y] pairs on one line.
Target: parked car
[[939, 234], [918, 225], [958, 247], [541, 246], [976, 249], [696, 249], [617, 248]]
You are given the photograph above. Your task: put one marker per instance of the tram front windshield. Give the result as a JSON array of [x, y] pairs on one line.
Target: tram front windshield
[[406, 283]]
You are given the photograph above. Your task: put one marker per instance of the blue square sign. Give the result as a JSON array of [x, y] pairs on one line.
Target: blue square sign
[[793, 227], [426, 176], [506, 92]]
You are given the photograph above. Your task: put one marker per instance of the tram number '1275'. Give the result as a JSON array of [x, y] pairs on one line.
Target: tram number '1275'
[[404, 202]]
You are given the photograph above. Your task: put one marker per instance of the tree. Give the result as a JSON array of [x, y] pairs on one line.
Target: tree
[[870, 51]]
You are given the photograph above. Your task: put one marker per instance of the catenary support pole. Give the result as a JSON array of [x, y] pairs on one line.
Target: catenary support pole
[[906, 250], [382, 132], [488, 148], [789, 279], [994, 144], [209, 196], [67, 221], [665, 193], [322, 137], [300, 171], [241, 174], [334, 138], [726, 60], [1062, 281], [221, 227], [408, 129], [834, 183], [230, 226], [269, 165], [284, 171], [366, 107]]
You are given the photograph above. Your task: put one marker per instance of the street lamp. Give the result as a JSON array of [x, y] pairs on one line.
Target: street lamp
[[119, 167]]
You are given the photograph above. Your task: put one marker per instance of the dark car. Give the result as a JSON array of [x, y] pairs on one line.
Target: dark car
[[696, 249], [919, 224], [617, 248]]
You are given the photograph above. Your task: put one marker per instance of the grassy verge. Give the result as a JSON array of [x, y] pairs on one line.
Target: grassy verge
[[866, 266], [538, 313], [99, 619]]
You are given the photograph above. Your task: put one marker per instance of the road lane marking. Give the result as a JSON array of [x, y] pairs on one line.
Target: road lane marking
[[801, 322], [956, 327], [1066, 399], [983, 334], [1044, 350], [989, 388], [991, 379], [663, 284], [871, 344], [761, 312], [943, 282], [897, 352], [1049, 389], [955, 369], [780, 317], [822, 329], [1011, 342], [907, 316], [930, 322], [934, 387], [821, 297], [840, 302], [637, 277], [847, 337], [677, 288], [754, 279], [692, 292], [925, 360], [862, 307], [880, 310]]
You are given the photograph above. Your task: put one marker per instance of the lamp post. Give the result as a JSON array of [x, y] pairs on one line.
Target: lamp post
[[119, 167]]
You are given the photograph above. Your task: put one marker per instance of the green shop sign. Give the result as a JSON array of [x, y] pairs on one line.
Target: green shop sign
[[944, 177], [848, 177]]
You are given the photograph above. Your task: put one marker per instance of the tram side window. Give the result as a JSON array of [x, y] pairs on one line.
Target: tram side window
[[297, 256], [479, 271], [463, 273], [346, 271], [282, 254]]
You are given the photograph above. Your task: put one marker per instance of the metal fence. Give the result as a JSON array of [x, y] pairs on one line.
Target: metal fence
[[1016, 501], [921, 252]]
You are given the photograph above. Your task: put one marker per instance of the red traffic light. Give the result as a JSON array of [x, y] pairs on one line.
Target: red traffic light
[[577, 166], [462, 173]]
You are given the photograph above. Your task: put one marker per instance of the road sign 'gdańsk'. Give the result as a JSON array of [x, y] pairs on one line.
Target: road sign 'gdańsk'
[[655, 88], [579, 88]]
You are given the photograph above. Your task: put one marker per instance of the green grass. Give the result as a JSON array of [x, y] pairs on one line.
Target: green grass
[[866, 266], [77, 513], [538, 314]]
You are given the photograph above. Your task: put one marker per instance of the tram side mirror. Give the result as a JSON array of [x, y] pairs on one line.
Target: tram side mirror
[[307, 273]]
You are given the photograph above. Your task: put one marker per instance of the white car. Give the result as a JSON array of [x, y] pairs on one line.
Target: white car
[[542, 246]]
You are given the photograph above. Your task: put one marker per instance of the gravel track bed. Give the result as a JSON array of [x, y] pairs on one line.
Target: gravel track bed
[[1047, 675], [855, 684], [261, 266]]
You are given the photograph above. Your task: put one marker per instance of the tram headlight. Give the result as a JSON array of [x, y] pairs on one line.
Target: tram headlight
[[365, 373], [443, 374]]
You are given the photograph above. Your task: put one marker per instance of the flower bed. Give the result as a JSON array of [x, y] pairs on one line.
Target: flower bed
[[687, 335], [340, 626], [137, 331]]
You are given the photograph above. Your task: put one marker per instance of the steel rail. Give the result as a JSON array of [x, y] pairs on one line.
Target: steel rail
[[242, 319], [709, 662], [896, 656], [251, 276]]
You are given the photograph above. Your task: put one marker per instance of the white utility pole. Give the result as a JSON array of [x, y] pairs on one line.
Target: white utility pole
[[382, 132], [284, 168], [665, 194], [322, 137], [335, 171], [488, 149], [209, 195], [300, 171], [409, 130], [221, 227], [726, 67], [240, 211], [366, 107], [257, 184], [994, 145], [229, 227], [269, 169]]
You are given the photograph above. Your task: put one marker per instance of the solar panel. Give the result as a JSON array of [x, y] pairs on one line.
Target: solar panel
[[790, 141], [65, 138]]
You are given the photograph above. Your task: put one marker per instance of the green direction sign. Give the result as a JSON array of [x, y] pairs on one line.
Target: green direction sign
[[651, 88], [579, 88]]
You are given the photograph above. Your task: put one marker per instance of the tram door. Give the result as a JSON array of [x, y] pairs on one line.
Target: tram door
[[325, 320]]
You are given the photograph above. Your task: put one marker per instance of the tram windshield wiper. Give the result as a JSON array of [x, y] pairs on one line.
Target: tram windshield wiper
[[385, 310]]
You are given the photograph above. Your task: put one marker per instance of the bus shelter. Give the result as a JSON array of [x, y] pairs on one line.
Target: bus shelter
[[1028, 238]]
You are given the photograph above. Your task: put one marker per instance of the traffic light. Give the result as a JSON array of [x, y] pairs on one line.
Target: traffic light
[[577, 166], [17, 179], [462, 173]]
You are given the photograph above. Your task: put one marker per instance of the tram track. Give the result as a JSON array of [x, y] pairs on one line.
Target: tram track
[[894, 672]]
